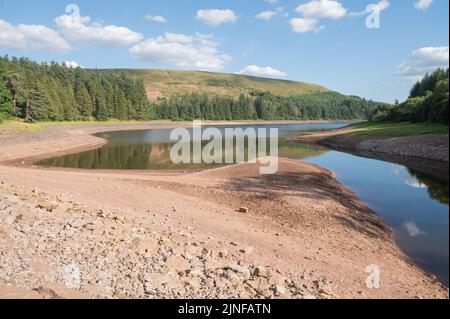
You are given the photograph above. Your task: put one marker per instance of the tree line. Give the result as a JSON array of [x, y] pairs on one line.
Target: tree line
[[265, 106], [55, 92], [427, 102]]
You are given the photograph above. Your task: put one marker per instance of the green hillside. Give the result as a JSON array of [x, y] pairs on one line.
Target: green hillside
[[165, 83], [52, 92]]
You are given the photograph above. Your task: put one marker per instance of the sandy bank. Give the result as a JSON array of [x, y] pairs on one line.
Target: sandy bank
[[131, 234]]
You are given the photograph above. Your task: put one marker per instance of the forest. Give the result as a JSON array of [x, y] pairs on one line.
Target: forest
[[55, 92], [265, 106], [427, 102]]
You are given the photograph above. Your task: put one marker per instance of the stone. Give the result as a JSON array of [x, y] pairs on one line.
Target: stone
[[47, 293], [260, 272], [247, 250], [48, 206], [244, 210], [279, 290]]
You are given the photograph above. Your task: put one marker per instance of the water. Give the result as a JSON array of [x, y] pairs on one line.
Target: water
[[413, 203]]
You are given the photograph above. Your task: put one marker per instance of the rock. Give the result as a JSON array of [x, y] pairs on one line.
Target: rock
[[47, 293], [279, 290], [244, 210], [48, 206], [241, 270], [309, 297], [260, 272], [223, 253], [248, 250]]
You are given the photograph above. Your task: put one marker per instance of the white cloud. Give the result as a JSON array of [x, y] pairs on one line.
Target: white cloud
[[412, 229], [159, 19], [72, 64], [255, 70], [315, 10], [422, 61], [301, 25], [199, 51], [266, 15], [319, 9], [79, 29], [31, 37], [423, 4], [272, 2], [216, 17], [431, 56]]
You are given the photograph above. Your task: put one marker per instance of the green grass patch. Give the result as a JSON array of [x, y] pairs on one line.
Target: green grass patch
[[391, 130]]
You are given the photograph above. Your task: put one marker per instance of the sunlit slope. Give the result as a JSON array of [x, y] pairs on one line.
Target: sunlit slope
[[165, 83]]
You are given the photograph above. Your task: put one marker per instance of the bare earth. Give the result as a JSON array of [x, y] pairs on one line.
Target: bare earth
[[153, 234]]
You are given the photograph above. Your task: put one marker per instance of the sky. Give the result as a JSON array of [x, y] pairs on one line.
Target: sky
[[370, 48]]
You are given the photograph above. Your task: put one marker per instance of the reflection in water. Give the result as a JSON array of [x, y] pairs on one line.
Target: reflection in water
[[438, 189], [412, 229], [413, 203], [118, 155], [151, 150]]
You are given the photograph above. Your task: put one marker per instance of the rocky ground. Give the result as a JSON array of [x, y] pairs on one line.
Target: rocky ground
[[53, 247], [152, 234], [432, 147]]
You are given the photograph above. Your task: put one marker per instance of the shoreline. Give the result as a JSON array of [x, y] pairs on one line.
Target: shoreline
[[426, 153], [287, 211]]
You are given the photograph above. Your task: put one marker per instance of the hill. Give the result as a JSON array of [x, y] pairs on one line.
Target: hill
[[53, 92], [167, 83]]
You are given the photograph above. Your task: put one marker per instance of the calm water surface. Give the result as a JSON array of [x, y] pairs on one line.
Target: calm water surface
[[413, 203]]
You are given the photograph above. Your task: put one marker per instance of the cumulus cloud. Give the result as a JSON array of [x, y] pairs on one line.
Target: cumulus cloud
[[80, 29], [422, 61], [72, 64], [159, 19], [301, 25], [216, 17], [319, 9], [423, 4], [412, 229], [31, 37], [267, 71], [198, 51], [315, 10]]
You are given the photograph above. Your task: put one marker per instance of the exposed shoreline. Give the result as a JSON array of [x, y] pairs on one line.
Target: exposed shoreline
[[312, 235], [427, 153]]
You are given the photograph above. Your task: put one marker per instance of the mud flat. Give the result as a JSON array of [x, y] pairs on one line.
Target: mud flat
[[154, 234]]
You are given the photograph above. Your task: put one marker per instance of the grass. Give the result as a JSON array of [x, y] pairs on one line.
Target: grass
[[391, 130], [170, 82], [19, 125]]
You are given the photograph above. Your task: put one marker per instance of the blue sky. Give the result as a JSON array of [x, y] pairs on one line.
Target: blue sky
[[319, 41]]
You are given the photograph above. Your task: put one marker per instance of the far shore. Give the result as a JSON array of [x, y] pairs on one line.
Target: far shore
[[157, 234], [428, 153]]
